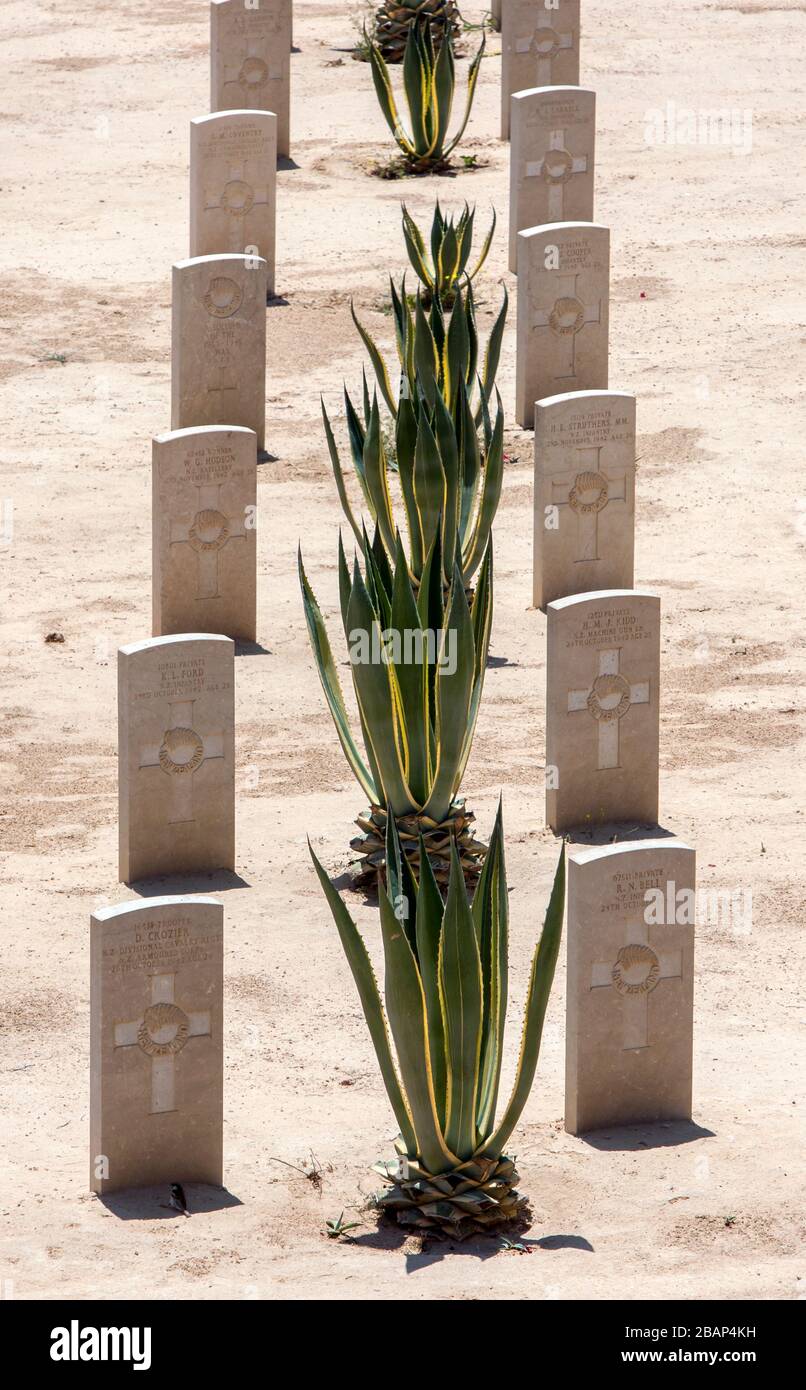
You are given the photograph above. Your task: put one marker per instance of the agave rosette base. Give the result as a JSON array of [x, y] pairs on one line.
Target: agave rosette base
[[438, 1032], [478, 1197], [395, 17], [437, 837]]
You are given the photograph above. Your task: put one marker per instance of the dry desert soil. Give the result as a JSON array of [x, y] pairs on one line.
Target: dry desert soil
[[707, 329]]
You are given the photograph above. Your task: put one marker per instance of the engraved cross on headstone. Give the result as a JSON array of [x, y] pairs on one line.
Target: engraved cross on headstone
[[207, 531], [587, 491], [222, 388], [161, 1033], [251, 73], [237, 197], [180, 752], [567, 317], [556, 167], [607, 701], [634, 974], [544, 42]]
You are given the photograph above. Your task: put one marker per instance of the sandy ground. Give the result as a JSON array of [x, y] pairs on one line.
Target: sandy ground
[[706, 326]]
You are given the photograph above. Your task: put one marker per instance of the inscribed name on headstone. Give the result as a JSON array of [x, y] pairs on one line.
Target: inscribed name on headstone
[[602, 676], [156, 1053], [176, 755], [563, 313], [551, 159], [539, 48], [250, 60], [629, 1012], [218, 343], [204, 533], [584, 494], [233, 185]]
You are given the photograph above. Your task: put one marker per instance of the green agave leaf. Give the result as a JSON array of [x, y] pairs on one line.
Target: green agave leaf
[[369, 994], [399, 883], [409, 377], [405, 448], [482, 616], [485, 250], [456, 353], [444, 84], [540, 981], [431, 111], [405, 1007], [487, 429], [415, 246], [489, 500], [445, 436], [379, 701], [430, 605], [416, 82], [437, 232], [452, 698], [337, 473], [493, 353], [431, 610], [330, 683], [380, 598], [429, 481], [464, 238], [378, 364], [460, 983], [491, 916], [412, 677], [449, 253], [365, 402], [357, 434], [380, 559], [345, 582], [473, 338], [426, 359], [386, 96], [377, 480], [472, 79], [400, 318], [436, 319], [430, 909], [469, 456]]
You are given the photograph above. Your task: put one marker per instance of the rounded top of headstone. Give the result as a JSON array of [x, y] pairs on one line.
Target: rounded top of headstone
[[168, 436], [234, 111], [546, 227], [174, 638], [553, 91], [546, 402], [654, 846], [599, 596], [172, 900], [228, 256]]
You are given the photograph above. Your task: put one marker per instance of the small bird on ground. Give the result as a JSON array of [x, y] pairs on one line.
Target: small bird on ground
[[178, 1198]]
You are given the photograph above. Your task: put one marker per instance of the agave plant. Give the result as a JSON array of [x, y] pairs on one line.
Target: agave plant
[[451, 241], [417, 664], [445, 483], [429, 79], [445, 989], [435, 352], [394, 18]]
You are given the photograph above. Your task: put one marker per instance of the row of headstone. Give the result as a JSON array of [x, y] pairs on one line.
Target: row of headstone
[[157, 1024], [157, 968], [628, 1055], [157, 977]]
